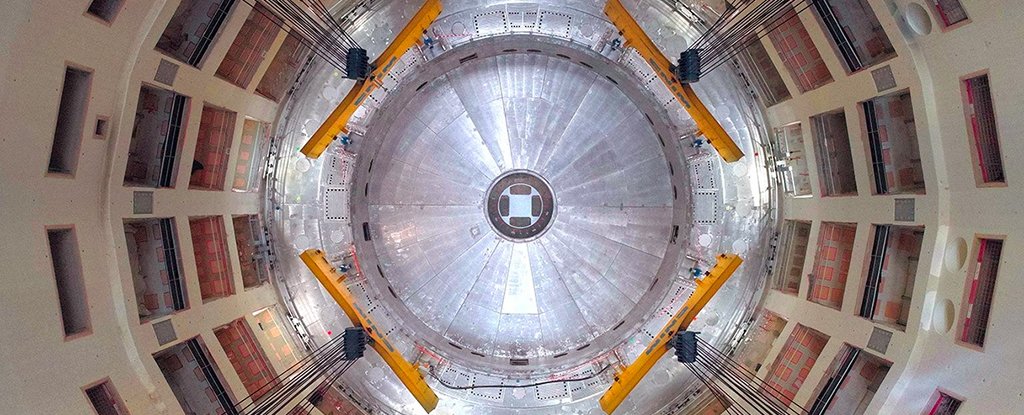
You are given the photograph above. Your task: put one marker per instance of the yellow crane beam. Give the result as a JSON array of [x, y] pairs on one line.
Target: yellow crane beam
[[337, 122], [406, 372], [706, 123], [628, 378]]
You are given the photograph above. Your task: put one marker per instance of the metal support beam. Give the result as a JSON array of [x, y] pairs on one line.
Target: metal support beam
[[406, 372], [630, 376], [638, 39], [337, 122]]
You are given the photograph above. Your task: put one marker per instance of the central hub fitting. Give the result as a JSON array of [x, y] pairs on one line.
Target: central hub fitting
[[520, 205]]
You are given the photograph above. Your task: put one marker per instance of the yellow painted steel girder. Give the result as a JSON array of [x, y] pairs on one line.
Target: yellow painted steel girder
[[338, 120], [706, 123], [406, 372], [628, 378]]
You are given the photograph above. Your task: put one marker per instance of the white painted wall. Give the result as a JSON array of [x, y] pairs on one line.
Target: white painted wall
[[41, 372], [925, 358]]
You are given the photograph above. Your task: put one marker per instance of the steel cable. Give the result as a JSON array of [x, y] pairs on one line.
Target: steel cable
[[737, 386], [740, 25], [313, 25]]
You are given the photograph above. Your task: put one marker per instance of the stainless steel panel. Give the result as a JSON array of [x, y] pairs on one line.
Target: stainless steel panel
[[434, 152]]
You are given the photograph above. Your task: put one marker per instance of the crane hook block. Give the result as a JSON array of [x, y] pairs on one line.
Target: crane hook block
[[686, 346], [357, 64], [688, 69]]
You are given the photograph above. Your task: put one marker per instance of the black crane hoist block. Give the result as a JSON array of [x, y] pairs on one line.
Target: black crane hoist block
[[688, 68], [357, 64], [686, 346], [355, 342]]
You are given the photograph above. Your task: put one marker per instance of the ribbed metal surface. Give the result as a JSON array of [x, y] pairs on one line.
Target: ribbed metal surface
[[610, 178], [734, 203]]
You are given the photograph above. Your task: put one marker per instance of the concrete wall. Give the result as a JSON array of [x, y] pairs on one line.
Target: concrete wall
[[41, 372], [44, 373], [925, 356]]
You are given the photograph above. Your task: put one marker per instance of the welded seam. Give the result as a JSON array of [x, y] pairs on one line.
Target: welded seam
[[459, 185], [611, 172], [576, 109], [554, 176], [462, 304], [445, 268], [472, 118], [623, 242], [506, 152], [452, 122], [603, 277], [619, 251], [561, 278]]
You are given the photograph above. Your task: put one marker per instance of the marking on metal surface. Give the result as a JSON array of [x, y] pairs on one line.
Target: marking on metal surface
[[706, 207], [490, 23], [703, 176], [555, 23], [336, 206]]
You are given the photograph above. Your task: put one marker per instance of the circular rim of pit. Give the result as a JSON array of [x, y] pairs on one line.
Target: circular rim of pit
[[548, 209]]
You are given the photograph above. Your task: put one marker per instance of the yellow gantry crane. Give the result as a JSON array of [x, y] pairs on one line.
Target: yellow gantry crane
[[408, 374], [630, 376], [706, 123], [337, 122]]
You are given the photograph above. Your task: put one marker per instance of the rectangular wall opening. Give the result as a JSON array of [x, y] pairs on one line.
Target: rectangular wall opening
[[105, 10], [793, 244], [104, 400], [157, 138], [67, 271], [67, 136], [763, 74], [155, 259], [892, 144], [798, 53], [250, 47], [892, 268], [253, 250], [252, 153], [835, 159], [193, 28], [794, 362], [944, 404], [950, 12], [281, 73], [762, 337], [979, 290], [213, 149], [269, 323], [210, 244], [194, 378], [247, 358], [850, 383], [102, 127], [792, 160], [855, 32], [832, 264], [981, 127]]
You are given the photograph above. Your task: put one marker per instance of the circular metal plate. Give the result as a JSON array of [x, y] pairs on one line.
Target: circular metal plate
[[520, 205], [556, 281]]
